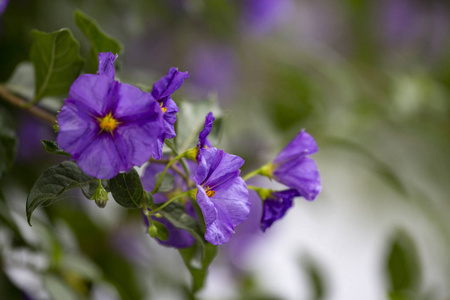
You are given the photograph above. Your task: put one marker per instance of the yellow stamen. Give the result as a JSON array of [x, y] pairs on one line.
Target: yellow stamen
[[108, 123], [209, 192], [163, 108]]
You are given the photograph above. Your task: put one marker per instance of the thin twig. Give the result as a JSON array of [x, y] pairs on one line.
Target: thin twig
[[21, 103]]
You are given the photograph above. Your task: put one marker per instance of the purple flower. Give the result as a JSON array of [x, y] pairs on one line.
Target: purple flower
[[262, 16], [3, 5], [162, 92], [293, 168], [222, 195], [107, 126], [275, 206], [106, 64]]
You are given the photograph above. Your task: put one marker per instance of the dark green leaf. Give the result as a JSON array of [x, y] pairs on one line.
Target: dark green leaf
[[402, 263], [7, 142], [100, 41], [167, 183], [56, 60], [162, 232], [176, 214], [197, 263], [127, 189], [190, 121], [53, 148], [54, 182]]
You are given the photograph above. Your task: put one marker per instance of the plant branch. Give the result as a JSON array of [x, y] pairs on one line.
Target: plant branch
[[22, 103]]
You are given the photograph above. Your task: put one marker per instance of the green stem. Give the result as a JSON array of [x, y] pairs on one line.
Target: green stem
[[170, 201], [158, 183], [265, 170], [251, 174]]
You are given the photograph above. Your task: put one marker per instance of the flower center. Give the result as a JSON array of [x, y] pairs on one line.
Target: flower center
[[209, 192], [108, 123], [163, 108]]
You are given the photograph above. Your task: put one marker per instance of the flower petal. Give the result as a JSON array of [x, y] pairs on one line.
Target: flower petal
[[168, 84], [106, 64], [303, 144], [276, 206], [101, 158], [76, 128], [132, 104], [202, 137], [232, 206], [300, 174], [93, 93]]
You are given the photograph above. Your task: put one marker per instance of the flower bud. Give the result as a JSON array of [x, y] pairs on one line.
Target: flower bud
[[152, 230], [100, 195]]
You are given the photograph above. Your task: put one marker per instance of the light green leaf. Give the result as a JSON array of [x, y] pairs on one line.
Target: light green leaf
[[53, 148], [100, 41], [198, 264], [57, 62], [127, 189], [54, 182], [167, 183], [190, 121]]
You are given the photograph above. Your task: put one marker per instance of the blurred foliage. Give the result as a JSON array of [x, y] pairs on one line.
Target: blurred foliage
[[362, 79]]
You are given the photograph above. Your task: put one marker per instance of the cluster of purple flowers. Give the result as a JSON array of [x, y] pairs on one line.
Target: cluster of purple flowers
[[109, 127]]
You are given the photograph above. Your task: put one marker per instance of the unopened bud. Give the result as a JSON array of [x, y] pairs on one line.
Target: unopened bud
[[100, 195], [152, 230]]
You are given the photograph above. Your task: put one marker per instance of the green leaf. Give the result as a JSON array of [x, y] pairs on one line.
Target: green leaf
[[127, 189], [198, 264], [54, 182], [190, 121], [162, 233], [316, 280], [57, 62], [176, 214], [53, 148], [402, 263], [167, 183], [8, 143], [100, 41]]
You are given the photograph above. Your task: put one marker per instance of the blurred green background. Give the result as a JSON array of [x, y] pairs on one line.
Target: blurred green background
[[370, 80]]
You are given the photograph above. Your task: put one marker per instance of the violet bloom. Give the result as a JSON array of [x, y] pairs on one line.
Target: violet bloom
[[162, 92], [275, 206], [293, 167], [3, 5], [222, 195], [108, 127]]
